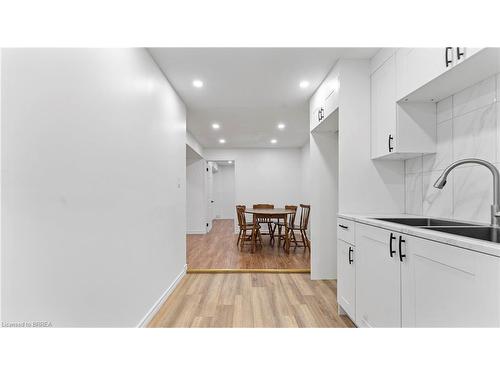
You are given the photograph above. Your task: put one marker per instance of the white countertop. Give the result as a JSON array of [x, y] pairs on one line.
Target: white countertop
[[486, 247]]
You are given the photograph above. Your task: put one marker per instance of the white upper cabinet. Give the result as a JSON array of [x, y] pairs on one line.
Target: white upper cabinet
[[417, 66], [446, 286], [432, 74], [378, 285], [383, 108], [398, 131], [326, 99]]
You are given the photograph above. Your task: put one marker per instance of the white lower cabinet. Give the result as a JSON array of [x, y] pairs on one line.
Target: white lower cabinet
[[346, 276], [378, 274], [407, 281], [446, 286]]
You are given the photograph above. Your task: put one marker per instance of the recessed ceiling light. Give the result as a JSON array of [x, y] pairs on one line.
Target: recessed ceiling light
[[304, 84], [215, 126], [230, 162], [197, 83], [281, 126], [222, 140], [274, 141]]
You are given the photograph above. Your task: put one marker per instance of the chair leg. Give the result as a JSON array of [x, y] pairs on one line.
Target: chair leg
[[294, 238], [239, 238], [307, 243], [271, 234]]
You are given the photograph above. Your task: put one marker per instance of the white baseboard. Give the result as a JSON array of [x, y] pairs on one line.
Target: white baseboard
[[152, 312], [196, 232]]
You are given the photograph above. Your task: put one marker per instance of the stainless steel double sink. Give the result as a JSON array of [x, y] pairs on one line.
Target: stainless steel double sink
[[480, 232]]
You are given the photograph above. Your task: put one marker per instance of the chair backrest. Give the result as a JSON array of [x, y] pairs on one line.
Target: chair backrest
[[291, 217], [240, 212], [304, 215], [263, 206]]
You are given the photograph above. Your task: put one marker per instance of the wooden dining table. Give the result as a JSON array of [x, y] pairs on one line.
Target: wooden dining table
[[269, 213]]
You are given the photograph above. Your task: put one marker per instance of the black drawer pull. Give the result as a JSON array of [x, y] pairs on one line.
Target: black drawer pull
[[350, 252], [459, 53], [343, 226], [390, 143], [391, 252], [401, 255]]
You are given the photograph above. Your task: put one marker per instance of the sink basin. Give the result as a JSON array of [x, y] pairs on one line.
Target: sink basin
[[481, 233], [425, 222]]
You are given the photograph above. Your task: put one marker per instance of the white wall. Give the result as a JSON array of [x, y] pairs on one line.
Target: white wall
[[196, 203], [224, 192], [264, 175], [365, 185], [192, 142], [468, 126], [306, 173], [324, 204], [93, 171]]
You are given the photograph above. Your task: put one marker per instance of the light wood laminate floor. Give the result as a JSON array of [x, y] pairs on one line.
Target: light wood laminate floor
[[251, 300], [218, 250]]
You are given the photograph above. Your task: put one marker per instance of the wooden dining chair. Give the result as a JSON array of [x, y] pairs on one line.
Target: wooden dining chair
[[281, 226], [244, 227], [266, 221], [301, 228]]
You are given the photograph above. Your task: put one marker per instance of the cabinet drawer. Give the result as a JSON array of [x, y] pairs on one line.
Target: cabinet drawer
[[345, 230]]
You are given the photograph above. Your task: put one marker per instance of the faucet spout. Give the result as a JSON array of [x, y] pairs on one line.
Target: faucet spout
[[495, 207]]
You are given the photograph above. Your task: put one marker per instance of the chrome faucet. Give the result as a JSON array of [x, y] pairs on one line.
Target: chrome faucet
[[495, 208]]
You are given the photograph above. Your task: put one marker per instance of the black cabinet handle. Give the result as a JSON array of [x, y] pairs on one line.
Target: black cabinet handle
[[390, 143], [401, 255], [447, 57], [459, 54], [319, 114], [391, 252], [343, 226], [350, 252]]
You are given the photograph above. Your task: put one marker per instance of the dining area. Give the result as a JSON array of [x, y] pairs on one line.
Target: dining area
[[282, 227]]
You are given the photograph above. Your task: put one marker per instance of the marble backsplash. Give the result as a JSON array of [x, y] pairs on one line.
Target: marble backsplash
[[468, 125]]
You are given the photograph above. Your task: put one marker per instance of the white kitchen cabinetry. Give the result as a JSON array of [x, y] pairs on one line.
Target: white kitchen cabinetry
[[346, 275], [446, 286], [418, 66], [378, 278], [408, 281], [326, 99], [398, 131]]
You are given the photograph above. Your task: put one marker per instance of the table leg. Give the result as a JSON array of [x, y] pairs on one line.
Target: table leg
[[254, 232]]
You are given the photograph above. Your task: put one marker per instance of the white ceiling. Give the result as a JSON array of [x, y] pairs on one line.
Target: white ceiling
[[248, 91]]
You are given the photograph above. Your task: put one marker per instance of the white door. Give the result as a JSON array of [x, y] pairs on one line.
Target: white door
[[417, 66], [210, 196], [378, 284], [446, 286], [346, 278], [383, 109]]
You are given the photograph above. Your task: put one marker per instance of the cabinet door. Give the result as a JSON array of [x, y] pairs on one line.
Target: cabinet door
[[463, 53], [446, 286], [417, 66], [378, 284], [331, 103], [346, 278], [383, 109], [316, 117]]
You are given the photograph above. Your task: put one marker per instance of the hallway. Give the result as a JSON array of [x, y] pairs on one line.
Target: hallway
[[251, 300], [218, 250]]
